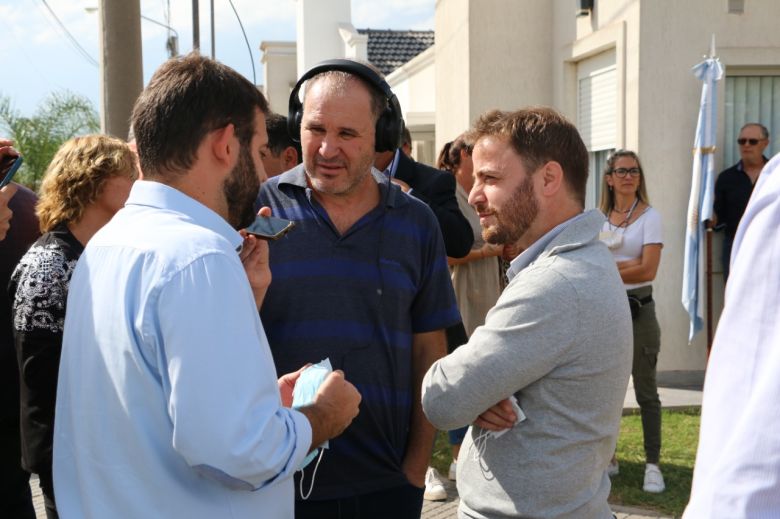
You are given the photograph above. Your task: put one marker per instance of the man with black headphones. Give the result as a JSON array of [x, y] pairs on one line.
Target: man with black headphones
[[363, 281]]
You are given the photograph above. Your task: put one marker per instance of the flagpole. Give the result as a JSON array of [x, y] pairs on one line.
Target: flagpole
[[708, 239]]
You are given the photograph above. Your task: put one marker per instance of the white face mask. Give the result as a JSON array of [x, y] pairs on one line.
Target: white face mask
[[303, 394], [480, 442], [612, 239]]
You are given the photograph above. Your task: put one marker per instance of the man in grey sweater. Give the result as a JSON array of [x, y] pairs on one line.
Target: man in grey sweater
[[558, 340]]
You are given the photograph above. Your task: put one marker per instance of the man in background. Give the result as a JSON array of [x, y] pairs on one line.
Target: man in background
[[435, 188], [283, 153], [735, 184]]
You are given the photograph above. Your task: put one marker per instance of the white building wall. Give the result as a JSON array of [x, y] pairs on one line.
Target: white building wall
[[279, 72], [317, 30], [490, 54], [453, 69]]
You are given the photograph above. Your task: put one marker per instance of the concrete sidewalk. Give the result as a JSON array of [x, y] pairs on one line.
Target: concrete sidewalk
[[677, 391]]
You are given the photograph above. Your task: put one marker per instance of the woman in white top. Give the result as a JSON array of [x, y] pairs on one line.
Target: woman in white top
[[633, 234]]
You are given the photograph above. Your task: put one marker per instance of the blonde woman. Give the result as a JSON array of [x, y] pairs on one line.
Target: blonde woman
[[88, 181], [633, 234]]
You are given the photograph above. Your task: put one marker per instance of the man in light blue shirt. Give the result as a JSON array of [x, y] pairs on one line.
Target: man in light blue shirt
[[168, 403]]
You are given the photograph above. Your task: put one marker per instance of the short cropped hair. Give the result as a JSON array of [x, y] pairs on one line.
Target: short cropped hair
[[338, 83], [278, 137], [764, 131], [187, 98], [539, 135], [76, 176]]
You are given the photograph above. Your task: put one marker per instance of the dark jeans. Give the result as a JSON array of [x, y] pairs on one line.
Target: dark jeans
[[728, 241], [647, 343], [403, 502]]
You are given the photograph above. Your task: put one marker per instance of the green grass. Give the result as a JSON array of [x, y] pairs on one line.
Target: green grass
[[680, 436]]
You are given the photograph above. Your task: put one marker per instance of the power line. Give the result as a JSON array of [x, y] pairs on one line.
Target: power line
[[248, 47], [70, 37]]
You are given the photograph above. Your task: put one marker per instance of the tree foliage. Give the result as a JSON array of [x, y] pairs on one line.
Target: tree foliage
[[58, 118]]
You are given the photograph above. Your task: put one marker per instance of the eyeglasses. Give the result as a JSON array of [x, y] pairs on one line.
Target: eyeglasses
[[742, 141], [622, 172]]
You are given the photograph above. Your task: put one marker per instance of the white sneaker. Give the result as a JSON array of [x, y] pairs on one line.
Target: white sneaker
[[613, 469], [434, 487], [654, 480], [453, 470]]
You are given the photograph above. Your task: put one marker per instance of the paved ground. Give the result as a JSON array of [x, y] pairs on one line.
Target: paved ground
[[676, 392]]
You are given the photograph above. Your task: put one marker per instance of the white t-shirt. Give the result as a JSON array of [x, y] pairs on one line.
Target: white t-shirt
[[627, 242]]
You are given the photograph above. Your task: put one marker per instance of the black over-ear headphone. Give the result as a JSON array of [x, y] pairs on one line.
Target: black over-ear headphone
[[389, 126]]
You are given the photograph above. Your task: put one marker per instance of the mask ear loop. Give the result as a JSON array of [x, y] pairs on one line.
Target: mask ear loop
[[480, 444], [313, 474]]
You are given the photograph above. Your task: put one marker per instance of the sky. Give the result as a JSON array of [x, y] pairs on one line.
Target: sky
[[39, 58]]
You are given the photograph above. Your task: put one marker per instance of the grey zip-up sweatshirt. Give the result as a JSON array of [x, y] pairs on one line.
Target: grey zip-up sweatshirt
[[560, 340]]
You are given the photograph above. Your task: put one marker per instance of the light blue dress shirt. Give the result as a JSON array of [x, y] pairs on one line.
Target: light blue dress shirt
[[167, 403]]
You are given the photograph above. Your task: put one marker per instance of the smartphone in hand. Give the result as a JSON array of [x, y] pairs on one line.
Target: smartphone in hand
[[9, 165], [270, 227]]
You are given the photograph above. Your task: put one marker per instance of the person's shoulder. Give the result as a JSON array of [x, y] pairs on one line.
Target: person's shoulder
[[48, 260], [649, 214]]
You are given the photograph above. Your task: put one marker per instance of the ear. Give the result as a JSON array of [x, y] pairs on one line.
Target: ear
[[551, 178], [609, 180], [290, 156], [224, 145]]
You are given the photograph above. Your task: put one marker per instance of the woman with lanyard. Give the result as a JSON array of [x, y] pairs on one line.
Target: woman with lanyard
[[633, 234]]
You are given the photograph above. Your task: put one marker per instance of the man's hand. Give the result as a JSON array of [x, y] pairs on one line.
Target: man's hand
[[403, 185], [5, 212], [8, 192], [287, 384], [335, 406], [254, 256], [497, 418]]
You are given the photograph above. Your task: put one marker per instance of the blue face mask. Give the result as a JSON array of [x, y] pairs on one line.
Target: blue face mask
[[303, 394]]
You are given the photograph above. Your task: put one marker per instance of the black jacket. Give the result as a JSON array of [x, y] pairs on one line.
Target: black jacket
[[437, 189]]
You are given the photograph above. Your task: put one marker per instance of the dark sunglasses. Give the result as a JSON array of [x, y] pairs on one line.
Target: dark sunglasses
[[752, 142], [622, 172]]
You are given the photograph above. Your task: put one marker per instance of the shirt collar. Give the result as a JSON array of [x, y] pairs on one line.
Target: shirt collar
[[154, 194], [741, 167], [395, 198], [528, 256]]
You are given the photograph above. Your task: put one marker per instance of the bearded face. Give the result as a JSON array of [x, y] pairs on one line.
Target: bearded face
[[241, 188], [510, 221]]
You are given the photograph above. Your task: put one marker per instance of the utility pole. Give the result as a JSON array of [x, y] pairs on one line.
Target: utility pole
[[195, 26], [213, 46], [121, 66]]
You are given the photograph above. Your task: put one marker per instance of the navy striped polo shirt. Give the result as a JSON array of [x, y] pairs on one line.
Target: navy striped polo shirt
[[357, 299]]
